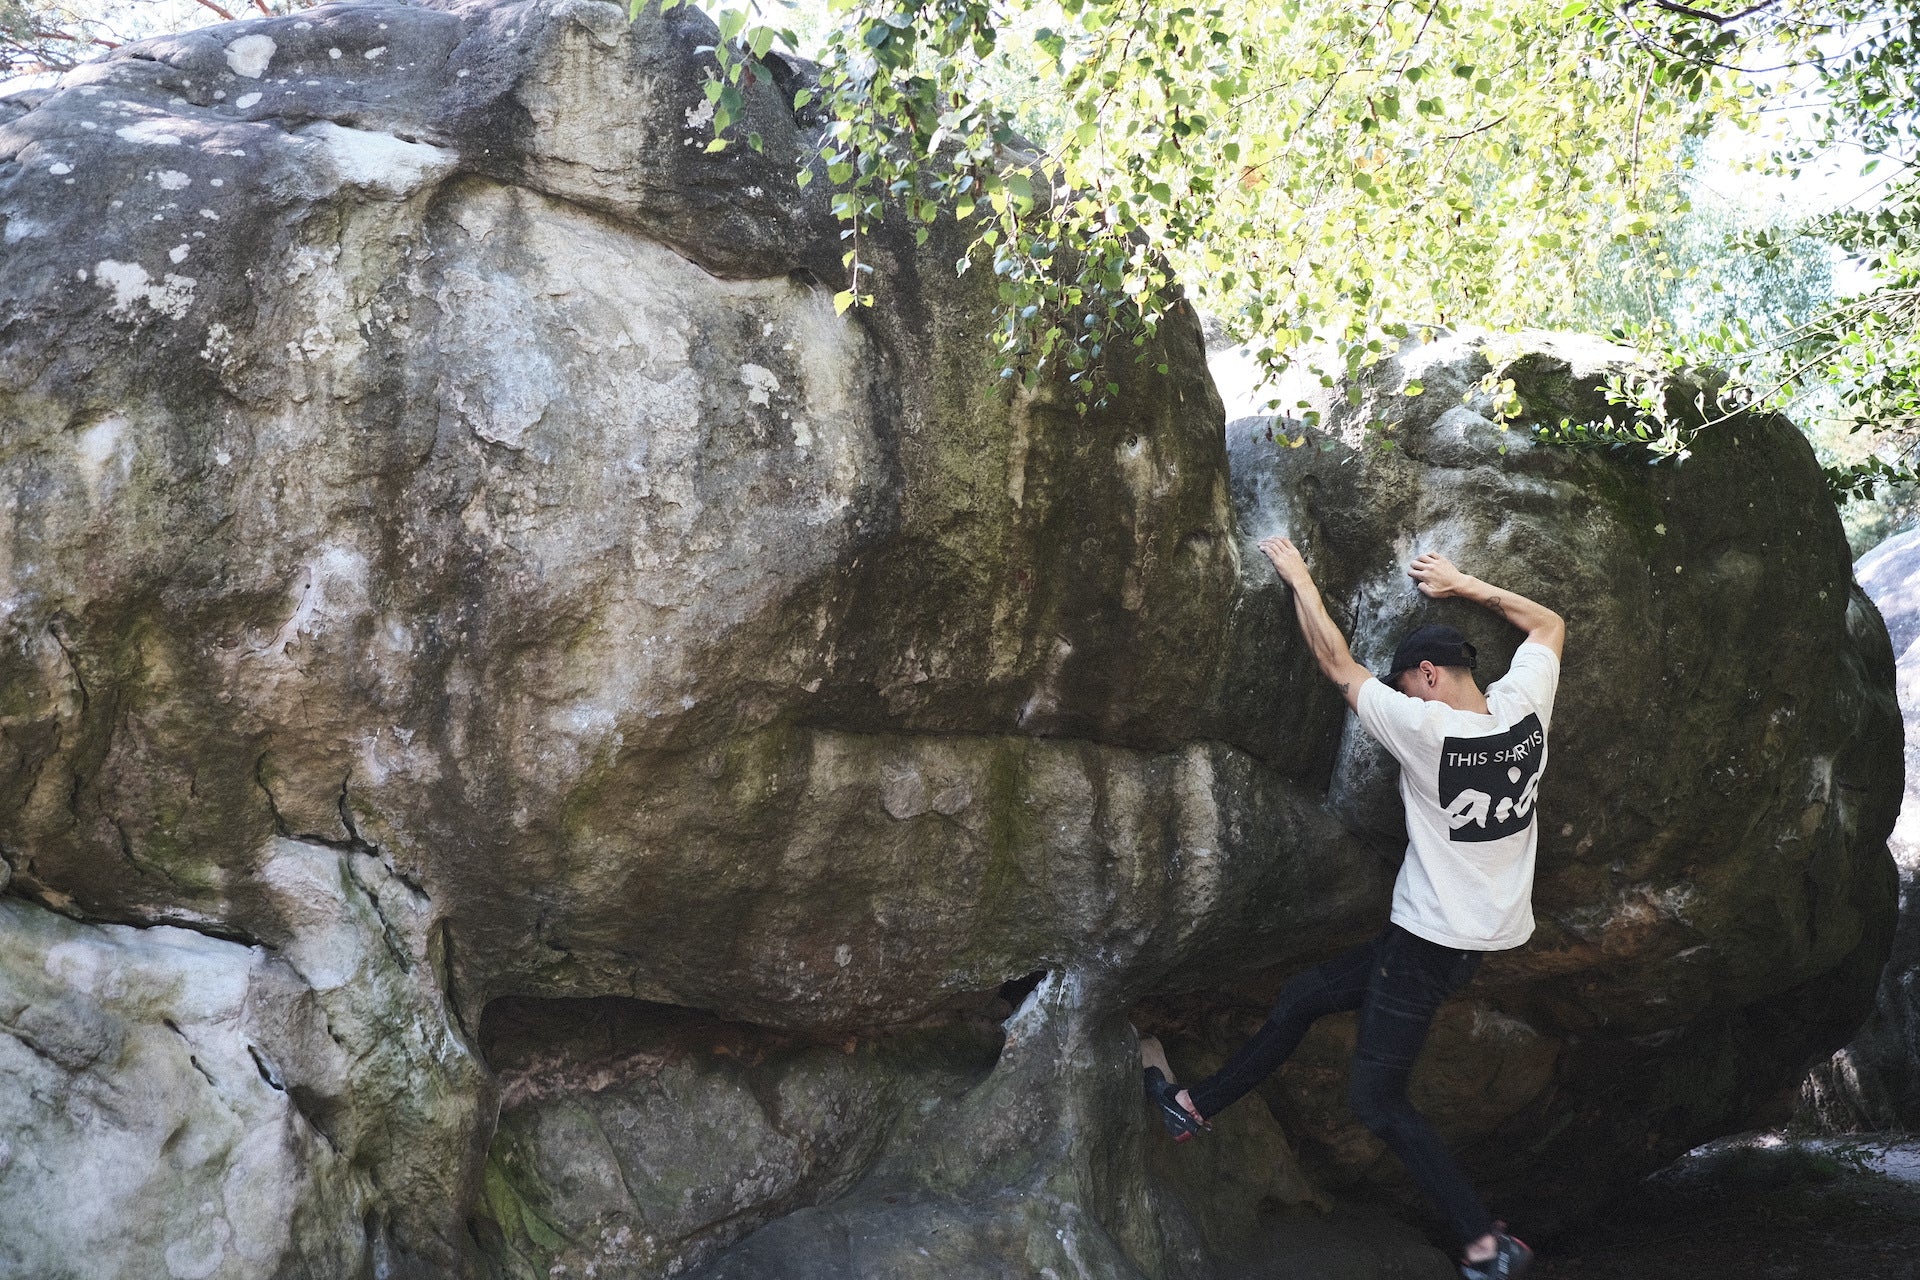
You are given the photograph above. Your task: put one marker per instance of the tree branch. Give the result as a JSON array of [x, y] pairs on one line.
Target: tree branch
[[209, 4], [1639, 113], [39, 34], [1491, 124], [1653, 46], [1719, 20]]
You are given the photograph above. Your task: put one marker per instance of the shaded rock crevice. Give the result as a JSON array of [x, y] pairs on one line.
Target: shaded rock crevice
[[630, 1084]]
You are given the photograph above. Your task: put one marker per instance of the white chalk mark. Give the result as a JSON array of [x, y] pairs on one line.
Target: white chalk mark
[[380, 161]]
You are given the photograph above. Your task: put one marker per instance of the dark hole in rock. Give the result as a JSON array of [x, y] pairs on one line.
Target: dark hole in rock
[[266, 1070], [1014, 992], [540, 1046], [790, 76]]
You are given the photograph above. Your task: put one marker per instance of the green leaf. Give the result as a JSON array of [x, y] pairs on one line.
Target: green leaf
[[1497, 199], [841, 301]]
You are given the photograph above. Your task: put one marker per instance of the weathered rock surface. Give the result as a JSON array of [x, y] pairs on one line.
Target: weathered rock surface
[[1874, 1082], [1723, 731], [184, 1105], [746, 773]]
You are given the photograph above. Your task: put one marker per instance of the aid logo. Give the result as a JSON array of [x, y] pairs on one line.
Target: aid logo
[[1487, 785]]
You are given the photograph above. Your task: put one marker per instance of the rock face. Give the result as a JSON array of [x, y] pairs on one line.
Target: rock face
[[1874, 1082], [528, 746], [1723, 730], [200, 1107]]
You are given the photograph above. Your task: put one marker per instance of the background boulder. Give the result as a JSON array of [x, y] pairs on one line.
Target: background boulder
[[767, 769], [1874, 1082], [1713, 900]]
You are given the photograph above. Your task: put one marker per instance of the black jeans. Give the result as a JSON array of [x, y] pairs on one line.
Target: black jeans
[[1396, 982]]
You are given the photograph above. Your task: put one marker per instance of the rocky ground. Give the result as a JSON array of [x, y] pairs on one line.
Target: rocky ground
[[1761, 1205]]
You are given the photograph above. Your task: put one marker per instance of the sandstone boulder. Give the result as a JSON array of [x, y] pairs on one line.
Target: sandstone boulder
[[1723, 731], [1874, 1082], [700, 782], [185, 1105]]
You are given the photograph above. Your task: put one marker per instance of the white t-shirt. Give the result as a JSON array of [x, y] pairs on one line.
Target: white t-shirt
[[1468, 782]]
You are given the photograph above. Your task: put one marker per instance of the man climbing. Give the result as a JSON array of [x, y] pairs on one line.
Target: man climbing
[[1470, 766]]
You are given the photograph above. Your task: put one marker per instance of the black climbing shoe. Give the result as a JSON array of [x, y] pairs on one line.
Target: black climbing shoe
[[1511, 1259], [1180, 1122]]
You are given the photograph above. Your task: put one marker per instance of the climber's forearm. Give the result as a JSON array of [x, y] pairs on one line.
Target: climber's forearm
[[1324, 639], [1438, 577], [1542, 625]]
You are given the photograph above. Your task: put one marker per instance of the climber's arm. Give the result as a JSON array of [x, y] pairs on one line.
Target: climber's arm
[[1437, 577], [1328, 645]]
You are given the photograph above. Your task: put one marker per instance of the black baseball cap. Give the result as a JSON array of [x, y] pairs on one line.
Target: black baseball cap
[[1441, 645]]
